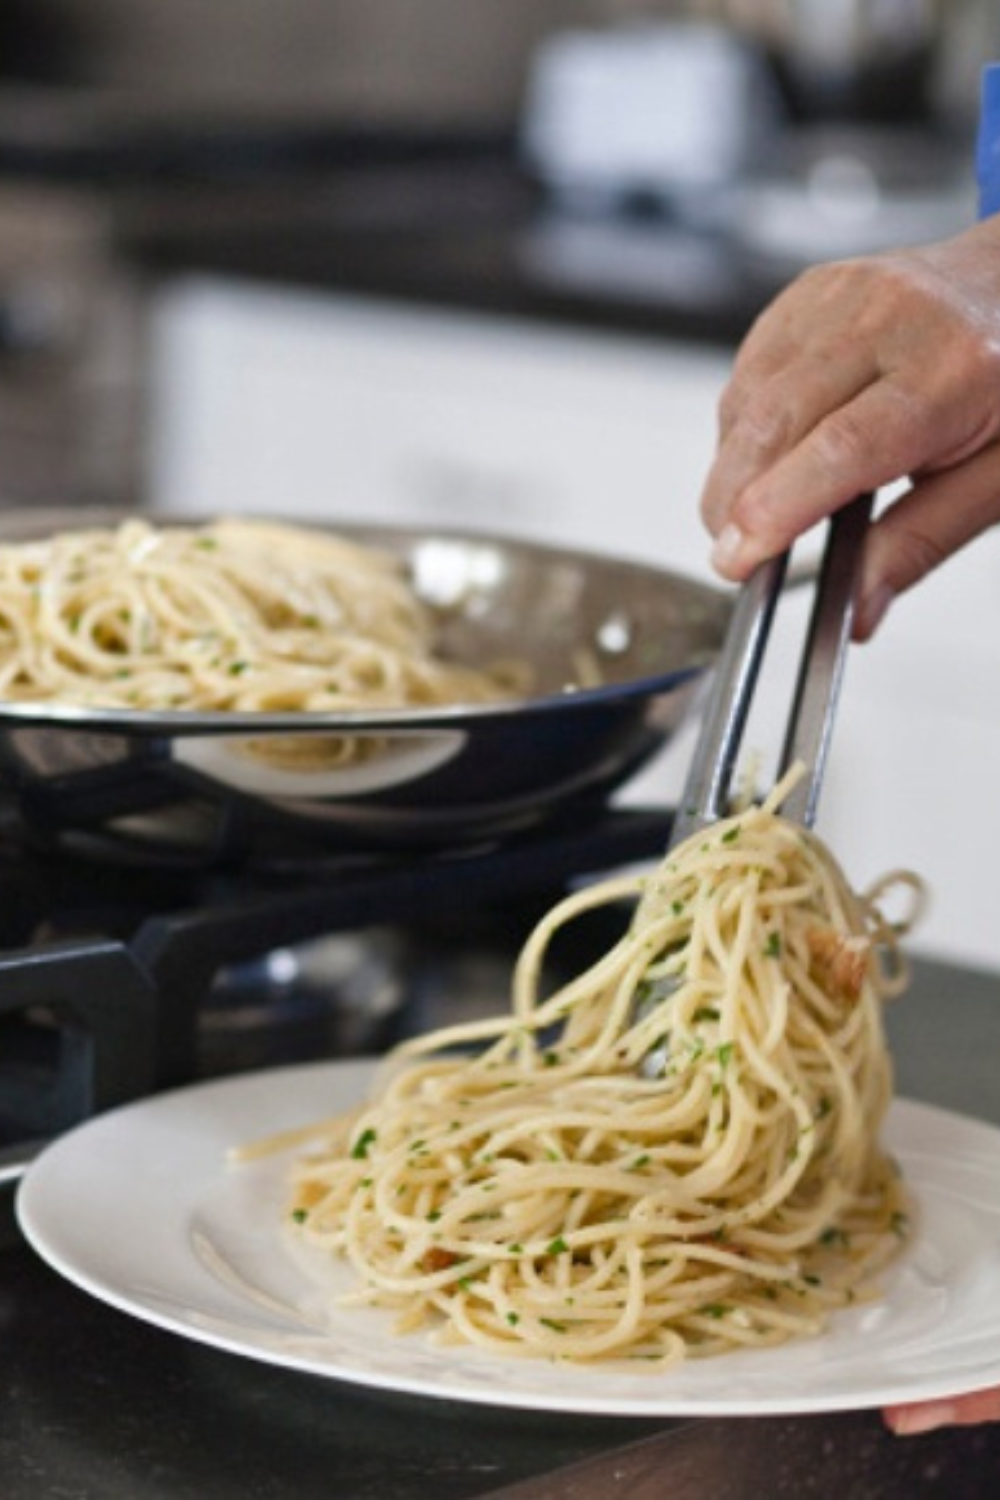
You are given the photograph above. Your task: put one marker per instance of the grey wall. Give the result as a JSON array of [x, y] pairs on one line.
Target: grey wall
[[457, 59], [450, 60]]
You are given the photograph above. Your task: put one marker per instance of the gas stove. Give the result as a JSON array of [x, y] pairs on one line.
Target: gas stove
[[117, 981]]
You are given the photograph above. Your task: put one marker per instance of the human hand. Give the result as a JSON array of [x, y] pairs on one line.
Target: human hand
[[862, 373], [963, 1411]]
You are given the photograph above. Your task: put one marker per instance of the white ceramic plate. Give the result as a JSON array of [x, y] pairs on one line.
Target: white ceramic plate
[[139, 1207]]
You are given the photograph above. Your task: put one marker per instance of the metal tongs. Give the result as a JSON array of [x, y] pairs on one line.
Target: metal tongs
[[810, 723]]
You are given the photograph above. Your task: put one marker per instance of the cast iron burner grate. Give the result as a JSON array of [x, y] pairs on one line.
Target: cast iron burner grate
[[111, 969]]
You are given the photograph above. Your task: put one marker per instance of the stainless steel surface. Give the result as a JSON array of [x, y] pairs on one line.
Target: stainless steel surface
[[817, 690], [206, 787], [706, 790], [810, 722]]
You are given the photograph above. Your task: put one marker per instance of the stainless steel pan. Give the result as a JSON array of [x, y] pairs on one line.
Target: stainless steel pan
[[222, 787]]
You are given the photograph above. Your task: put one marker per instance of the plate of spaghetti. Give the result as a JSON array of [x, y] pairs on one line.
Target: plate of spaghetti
[[511, 1213]]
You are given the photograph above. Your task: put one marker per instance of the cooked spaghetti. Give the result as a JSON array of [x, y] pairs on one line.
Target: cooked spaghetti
[[235, 615], [542, 1197]]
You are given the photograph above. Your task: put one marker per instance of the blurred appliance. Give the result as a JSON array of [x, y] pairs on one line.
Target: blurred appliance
[[669, 114], [778, 135], [872, 155], [853, 59]]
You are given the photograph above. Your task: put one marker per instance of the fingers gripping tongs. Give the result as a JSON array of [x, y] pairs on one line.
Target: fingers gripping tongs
[[807, 737]]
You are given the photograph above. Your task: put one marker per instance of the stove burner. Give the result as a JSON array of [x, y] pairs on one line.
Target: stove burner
[[128, 981]]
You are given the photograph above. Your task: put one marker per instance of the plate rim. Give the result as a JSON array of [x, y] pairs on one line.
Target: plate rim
[[32, 1206]]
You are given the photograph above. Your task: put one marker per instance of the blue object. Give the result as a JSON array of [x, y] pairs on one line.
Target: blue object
[[988, 144]]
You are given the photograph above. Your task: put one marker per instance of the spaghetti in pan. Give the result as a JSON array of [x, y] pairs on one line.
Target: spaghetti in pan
[[235, 615]]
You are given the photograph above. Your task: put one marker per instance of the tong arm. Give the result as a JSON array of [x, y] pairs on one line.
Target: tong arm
[[810, 722], [817, 689]]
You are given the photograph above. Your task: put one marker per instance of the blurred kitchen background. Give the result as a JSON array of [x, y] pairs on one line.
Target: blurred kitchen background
[[484, 263]]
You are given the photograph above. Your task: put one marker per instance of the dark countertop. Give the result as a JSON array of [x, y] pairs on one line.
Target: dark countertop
[[471, 236], [444, 225], [465, 225], [452, 217], [97, 1405]]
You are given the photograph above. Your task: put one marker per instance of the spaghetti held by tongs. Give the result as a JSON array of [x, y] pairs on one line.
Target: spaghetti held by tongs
[[524, 1184], [705, 798]]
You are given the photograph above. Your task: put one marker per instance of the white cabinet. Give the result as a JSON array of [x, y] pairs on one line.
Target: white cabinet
[[325, 406], [318, 405]]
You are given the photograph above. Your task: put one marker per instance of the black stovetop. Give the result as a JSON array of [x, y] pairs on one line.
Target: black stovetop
[[117, 980]]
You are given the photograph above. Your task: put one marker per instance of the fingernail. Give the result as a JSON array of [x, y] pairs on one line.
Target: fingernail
[[872, 609], [926, 1417], [727, 549]]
